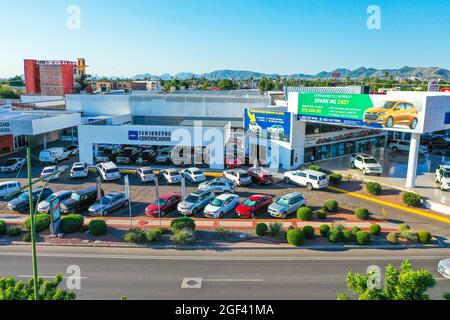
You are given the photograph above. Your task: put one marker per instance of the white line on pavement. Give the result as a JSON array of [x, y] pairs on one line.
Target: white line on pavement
[[233, 280], [50, 277]]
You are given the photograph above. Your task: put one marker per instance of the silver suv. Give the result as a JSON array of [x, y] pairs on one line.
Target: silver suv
[[287, 204], [219, 185], [195, 202]]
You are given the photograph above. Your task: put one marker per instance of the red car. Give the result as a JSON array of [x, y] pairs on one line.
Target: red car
[[168, 202], [261, 176], [253, 205]]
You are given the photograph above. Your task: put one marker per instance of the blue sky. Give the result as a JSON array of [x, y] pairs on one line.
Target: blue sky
[[124, 38]]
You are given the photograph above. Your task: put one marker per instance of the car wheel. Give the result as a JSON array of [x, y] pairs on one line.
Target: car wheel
[[395, 149], [105, 212], [287, 180], [194, 212], [252, 215], [353, 165], [126, 203], [390, 122], [413, 124], [309, 186], [221, 214], [162, 213], [284, 216]]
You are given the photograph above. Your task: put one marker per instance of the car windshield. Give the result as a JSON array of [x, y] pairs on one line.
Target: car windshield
[[446, 174], [105, 200], [197, 172], [112, 170], [47, 171], [244, 175], [147, 172], [283, 202], [249, 203], [192, 198], [78, 169], [23, 196], [370, 161], [322, 178], [75, 196], [387, 105], [217, 203], [162, 202], [173, 174], [50, 198]]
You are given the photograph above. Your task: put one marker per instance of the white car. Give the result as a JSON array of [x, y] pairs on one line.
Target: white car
[[108, 171], [404, 145], [164, 156], [73, 150], [238, 176], [13, 165], [443, 177], [44, 206], [307, 178], [50, 173], [171, 176], [193, 175], [9, 188], [221, 205], [79, 170], [276, 131], [444, 268], [146, 174], [367, 164], [255, 127]]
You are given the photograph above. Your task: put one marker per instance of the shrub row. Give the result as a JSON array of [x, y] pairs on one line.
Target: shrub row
[[373, 188], [412, 199], [408, 235]]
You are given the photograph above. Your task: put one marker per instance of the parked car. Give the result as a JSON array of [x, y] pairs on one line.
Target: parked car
[[53, 155], [164, 156], [444, 268], [167, 203], [238, 176], [50, 173], [219, 185], [443, 177], [107, 153], [367, 164], [441, 143], [108, 171], [108, 203], [80, 200], [44, 206], [128, 155], [286, 205], [260, 176], [253, 205], [22, 205], [79, 170], [307, 178], [393, 113], [221, 205], [13, 165], [9, 188], [146, 157], [73, 150], [146, 174], [193, 175], [195, 202], [404, 145], [171, 176]]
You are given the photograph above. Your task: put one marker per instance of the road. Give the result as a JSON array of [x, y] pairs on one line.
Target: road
[[110, 273]]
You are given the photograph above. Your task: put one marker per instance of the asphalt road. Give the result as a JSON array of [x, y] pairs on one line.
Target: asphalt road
[[239, 274]]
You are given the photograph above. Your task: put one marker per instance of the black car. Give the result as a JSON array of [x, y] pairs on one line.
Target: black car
[[79, 200], [440, 143], [22, 203]]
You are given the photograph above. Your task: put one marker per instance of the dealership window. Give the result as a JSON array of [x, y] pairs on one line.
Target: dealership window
[[316, 128]]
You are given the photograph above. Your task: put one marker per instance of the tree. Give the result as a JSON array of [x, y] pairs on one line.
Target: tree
[[8, 93], [10, 289], [403, 284]]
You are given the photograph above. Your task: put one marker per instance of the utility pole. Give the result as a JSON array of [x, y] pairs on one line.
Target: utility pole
[[33, 226]]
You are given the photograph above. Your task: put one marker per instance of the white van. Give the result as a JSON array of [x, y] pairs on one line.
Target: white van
[[307, 178], [9, 187], [53, 155], [108, 171]]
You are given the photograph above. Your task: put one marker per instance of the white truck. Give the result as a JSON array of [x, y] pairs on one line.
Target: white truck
[[53, 155], [443, 177], [367, 164]]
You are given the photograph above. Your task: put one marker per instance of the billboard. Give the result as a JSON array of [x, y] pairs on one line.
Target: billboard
[[270, 124], [360, 110]]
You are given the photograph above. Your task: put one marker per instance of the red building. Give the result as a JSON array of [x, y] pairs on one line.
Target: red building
[[50, 77]]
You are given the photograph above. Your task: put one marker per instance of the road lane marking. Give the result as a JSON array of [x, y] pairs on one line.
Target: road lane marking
[[233, 280], [191, 283], [50, 277]]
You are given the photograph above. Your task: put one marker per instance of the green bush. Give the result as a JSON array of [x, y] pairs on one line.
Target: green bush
[[321, 214], [2, 227], [182, 223], [275, 230], [335, 178], [98, 227], [135, 236], [334, 235], [14, 231], [261, 229], [295, 237], [412, 199], [154, 235], [309, 232], [404, 227], [362, 238], [373, 188], [315, 168], [324, 229], [26, 237], [375, 229], [184, 237], [355, 230], [393, 238], [305, 214], [72, 223], [347, 236], [424, 236], [331, 206], [42, 222], [362, 214]]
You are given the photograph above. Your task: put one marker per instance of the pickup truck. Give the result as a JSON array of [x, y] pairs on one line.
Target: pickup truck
[[367, 164]]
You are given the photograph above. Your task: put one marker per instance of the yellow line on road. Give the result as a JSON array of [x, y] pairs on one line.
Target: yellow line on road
[[392, 205]]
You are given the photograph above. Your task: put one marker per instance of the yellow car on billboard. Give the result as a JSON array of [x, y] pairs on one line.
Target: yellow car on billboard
[[393, 113]]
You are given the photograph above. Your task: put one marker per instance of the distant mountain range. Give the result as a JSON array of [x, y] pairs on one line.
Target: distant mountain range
[[431, 73]]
